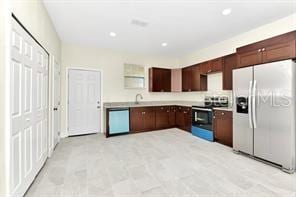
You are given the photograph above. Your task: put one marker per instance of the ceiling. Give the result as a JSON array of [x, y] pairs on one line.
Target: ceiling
[[185, 25]]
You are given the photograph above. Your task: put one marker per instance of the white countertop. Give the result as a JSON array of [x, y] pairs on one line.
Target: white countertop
[[223, 108], [151, 103]]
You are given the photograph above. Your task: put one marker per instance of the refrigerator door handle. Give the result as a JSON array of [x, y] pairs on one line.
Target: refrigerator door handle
[[250, 105], [254, 104]]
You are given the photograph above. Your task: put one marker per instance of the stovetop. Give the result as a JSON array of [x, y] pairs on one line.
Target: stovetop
[[211, 102]]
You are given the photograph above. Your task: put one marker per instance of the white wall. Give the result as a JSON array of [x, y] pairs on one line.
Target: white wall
[[33, 15], [229, 46], [111, 63]]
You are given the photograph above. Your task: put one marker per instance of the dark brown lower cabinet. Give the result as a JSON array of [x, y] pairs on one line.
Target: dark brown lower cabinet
[[142, 119], [172, 116], [183, 118], [162, 117], [223, 127]]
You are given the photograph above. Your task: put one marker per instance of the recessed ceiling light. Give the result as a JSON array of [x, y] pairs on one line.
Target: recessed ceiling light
[[226, 11], [112, 34], [164, 44]]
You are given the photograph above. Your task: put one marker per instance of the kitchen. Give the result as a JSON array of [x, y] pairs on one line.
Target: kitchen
[[213, 119], [125, 105]]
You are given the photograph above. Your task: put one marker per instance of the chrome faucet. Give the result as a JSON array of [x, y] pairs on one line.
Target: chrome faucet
[[137, 102]]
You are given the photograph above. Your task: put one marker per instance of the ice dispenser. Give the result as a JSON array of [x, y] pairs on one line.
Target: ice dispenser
[[242, 105]]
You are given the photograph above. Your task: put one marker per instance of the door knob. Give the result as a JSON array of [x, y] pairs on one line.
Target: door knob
[[55, 109]]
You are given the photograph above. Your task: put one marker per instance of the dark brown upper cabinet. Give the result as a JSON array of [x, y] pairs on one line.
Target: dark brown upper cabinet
[[193, 80], [186, 79], [281, 47], [159, 79], [205, 67], [229, 62], [211, 66], [216, 64]]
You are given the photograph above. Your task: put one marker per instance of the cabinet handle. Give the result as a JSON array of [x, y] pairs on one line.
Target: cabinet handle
[[168, 111], [161, 108], [185, 112], [259, 50], [209, 71], [189, 90], [222, 113], [143, 112], [263, 49]]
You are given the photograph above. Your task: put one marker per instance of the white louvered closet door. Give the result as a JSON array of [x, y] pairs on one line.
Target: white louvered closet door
[[29, 109]]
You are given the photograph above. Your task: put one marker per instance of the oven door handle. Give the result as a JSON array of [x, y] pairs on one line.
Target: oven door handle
[[201, 109]]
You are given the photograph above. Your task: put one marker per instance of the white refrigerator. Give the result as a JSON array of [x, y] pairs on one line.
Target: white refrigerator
[[264, 112]]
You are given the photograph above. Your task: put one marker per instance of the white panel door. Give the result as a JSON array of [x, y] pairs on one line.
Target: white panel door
[[84, 113], [56, 104], [28, 108]]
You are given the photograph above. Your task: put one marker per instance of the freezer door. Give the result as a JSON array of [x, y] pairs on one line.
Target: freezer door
[[274, 113], [242, 120]]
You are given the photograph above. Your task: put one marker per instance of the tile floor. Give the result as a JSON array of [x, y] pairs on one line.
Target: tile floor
[[156, 164]]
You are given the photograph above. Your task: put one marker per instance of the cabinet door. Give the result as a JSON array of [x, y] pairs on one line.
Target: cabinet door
[[187, 119], [228, 65], [165, 80], [136, 120], [172, 116], [223, 127], [205, 68], [279, 52], [216, 65], [249, 58], [159, 80], [162, 117], [195, 76], [155, 76], [186, 79], [142, 119], [149, 120], [180, 121]]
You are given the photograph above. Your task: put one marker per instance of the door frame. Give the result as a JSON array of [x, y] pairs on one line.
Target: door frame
[[67, 93], [7, 127], [53, 60]]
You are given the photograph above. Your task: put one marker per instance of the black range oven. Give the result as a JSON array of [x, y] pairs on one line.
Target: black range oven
[[202, 117]]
